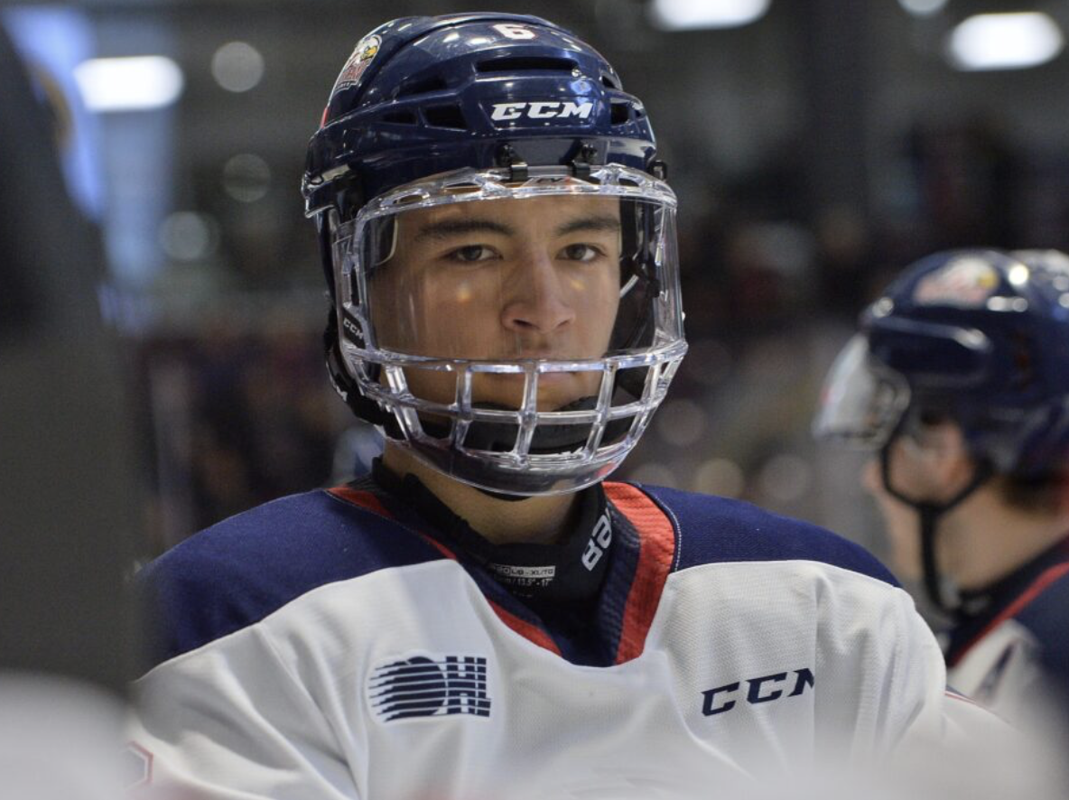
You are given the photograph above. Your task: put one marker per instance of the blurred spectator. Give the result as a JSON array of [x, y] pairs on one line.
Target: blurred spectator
[[239, 418]]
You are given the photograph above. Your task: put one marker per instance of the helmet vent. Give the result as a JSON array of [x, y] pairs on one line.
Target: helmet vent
[[610, 82], [526, 63], [1024, 368], [445, 117], [405, 117], [416, 86], [620, 113]]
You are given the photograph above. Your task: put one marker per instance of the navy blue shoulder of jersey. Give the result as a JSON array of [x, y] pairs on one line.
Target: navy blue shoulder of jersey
[[1047, 618], [238, 571], [717, 530]]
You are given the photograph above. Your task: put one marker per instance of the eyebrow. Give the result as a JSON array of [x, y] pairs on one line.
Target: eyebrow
[[460, 227], [592, 223], [447, 228]]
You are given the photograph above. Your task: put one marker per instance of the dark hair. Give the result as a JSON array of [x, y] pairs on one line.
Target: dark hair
[[1044, 494]]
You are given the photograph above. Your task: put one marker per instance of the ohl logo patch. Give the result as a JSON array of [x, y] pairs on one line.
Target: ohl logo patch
[[430, 687]]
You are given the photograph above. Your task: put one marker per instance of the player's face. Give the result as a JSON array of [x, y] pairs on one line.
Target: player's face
[[502, 280]]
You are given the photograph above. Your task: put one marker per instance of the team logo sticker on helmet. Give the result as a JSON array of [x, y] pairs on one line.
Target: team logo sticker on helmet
[[965, 282], [366, 50]]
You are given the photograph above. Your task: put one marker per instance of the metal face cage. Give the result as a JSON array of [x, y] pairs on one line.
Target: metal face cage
[[520, 332]]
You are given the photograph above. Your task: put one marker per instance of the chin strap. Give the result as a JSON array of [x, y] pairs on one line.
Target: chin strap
[[929, 514]]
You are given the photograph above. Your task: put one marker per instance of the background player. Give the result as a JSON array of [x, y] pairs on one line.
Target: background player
[[484, 616], [959, 379]]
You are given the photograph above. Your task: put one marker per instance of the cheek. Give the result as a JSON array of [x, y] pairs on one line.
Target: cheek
[[906, 473], [597, 305], [434, 317], [900, 524]]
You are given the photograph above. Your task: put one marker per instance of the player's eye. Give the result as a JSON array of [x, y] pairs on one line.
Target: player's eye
[[584, 253], [471, 253]]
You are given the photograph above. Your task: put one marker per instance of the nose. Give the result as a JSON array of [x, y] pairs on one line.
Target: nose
[[537, 298]]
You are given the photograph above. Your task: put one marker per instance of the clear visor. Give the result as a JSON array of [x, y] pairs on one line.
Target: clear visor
[[516, 318], [862, 400]]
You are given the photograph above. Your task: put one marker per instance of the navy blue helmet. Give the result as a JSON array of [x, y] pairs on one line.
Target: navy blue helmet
[[977, 336], [424, 95]]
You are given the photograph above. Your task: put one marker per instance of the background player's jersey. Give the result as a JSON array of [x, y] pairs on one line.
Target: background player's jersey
[[1012, 653], [316, 647]]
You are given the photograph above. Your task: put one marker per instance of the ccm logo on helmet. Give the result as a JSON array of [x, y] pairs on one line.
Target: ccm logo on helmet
[[544, 109]]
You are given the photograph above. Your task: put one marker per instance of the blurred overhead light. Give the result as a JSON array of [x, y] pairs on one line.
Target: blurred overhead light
[[188, 236], [1019, 275], [681, 15], [785, 478], [246, 177], [237, 66], [138, 83], [1004, 41], [684, 423], [721, 477], [923, 8]]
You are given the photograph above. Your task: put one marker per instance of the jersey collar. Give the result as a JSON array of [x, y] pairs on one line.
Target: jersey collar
[[567, 572], [979, 607]]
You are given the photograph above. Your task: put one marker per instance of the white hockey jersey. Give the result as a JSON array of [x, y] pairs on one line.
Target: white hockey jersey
[[325, 646], [1011, 651]]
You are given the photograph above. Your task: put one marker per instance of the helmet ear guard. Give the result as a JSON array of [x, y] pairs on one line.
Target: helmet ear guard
[[344, 384], [347, 387]]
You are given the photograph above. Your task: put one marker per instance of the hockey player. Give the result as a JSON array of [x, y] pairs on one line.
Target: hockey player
[[959, 380], [485, 616]]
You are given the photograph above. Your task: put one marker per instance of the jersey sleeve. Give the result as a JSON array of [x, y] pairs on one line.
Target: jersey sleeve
[[225, 712], [879, 677], [231, 709], [229, 721], [931, 740]]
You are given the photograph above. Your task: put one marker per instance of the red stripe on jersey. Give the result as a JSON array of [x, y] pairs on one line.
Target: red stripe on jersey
[[1026, 597], [657, 545], [955, 695], [365, 500], [441, 548]]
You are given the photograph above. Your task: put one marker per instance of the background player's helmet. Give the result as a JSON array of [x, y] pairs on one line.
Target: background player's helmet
[[977, 336], [430, 115]]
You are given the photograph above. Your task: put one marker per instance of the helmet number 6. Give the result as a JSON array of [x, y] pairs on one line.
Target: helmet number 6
[[514, 31]]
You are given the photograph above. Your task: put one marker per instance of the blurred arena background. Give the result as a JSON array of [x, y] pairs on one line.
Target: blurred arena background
[[816, 149]]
